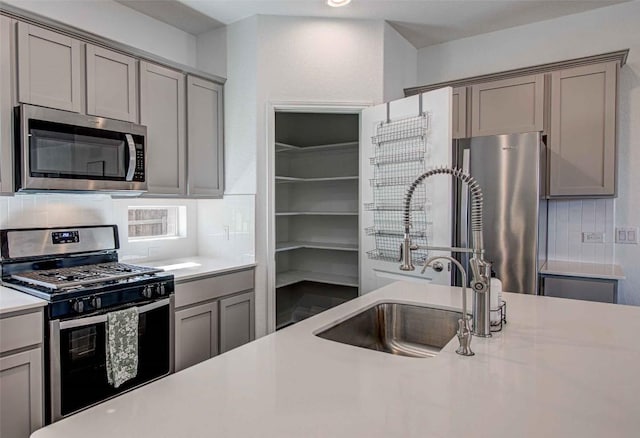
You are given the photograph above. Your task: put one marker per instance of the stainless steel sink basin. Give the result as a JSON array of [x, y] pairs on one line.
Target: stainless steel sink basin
[[400, 329]]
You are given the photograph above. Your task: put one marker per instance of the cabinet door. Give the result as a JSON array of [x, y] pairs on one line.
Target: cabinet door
[[205, 140], [582, 142], [162, 111], [111, 84], [7, 37], [507, 107], [587, 289], [459, 110], [21, 400], [196, 335], [237, 316], [48, 68]]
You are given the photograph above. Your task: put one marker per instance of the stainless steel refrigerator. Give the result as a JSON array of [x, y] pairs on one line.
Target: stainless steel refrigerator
[[511, 171]]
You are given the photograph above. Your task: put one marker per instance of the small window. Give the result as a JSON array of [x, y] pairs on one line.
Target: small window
[[147, 223]]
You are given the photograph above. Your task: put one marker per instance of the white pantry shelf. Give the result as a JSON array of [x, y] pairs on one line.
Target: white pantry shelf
[[283, 147], [317, 213], [291, 277], [288, 246], [293, 179]]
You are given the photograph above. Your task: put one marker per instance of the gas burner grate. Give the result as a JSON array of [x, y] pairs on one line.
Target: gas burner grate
[[65, 278]]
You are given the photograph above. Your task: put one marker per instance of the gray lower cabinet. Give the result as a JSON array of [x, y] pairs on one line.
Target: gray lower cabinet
[[162, 111], [213, 315], [7, 100], [49, 68], [196, 331], [508, 106], [21, 393], [582, 138], [237, 319], [21, 374], [112, 84], [459, 112], [205, 138], [579, 288]]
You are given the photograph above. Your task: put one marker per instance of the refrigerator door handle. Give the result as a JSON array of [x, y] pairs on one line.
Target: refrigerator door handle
[[464, 209]]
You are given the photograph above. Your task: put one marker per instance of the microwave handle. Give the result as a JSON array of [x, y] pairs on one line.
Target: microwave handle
[[81, 322], [132, 157]]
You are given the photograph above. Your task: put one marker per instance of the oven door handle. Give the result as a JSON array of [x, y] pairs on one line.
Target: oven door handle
[[81, 322], [131, 169]]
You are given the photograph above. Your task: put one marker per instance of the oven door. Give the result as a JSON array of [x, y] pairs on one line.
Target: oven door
[[77, 355], [60, 150]]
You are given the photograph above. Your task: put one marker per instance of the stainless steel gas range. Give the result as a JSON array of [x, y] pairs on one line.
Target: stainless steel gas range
[[76, 270]]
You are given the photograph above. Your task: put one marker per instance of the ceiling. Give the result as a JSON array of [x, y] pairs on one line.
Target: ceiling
[[421, 22]]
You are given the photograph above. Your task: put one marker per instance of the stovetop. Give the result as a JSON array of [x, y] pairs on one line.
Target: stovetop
[[83, 275]]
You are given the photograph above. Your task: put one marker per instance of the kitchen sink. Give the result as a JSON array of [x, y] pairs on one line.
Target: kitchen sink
[[400, 329]]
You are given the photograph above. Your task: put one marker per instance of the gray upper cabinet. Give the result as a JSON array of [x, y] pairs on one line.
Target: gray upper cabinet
[[508, 106], [205, 138], [459, 116], [112, 89], [237, 316], [582, 138], [162, 111], [7, 100], [48, 68]]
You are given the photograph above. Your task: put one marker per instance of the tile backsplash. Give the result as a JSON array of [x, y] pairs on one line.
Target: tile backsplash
[[51, 210], [215, 227], [569, 219], [226, 227]]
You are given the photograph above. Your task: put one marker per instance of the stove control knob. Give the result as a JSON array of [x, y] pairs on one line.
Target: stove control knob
[[96, 302], [78, 305], [147, 292], [162, 290]]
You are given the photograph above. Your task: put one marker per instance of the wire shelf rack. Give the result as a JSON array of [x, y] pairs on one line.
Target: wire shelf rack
[[401, 154], [422, 230], [401, 130], [400, 157]]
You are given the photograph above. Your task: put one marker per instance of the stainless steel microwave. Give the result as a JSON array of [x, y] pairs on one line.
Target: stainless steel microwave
[[60, 150]]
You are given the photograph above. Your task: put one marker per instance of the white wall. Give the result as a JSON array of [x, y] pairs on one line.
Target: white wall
[[597, 31], [119, 23], [400, 64], [240, 107], [211, 52], [288, 59]]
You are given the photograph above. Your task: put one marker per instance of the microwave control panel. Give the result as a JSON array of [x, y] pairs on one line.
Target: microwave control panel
[[139, 173]]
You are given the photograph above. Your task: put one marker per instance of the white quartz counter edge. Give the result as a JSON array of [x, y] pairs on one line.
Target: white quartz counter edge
[[14, 301], [586, 270], [560, 368], [193, 268]]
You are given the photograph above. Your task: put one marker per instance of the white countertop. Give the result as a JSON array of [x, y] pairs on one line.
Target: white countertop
[[189, 268], [561, 368], [14, 301], [579, 269]]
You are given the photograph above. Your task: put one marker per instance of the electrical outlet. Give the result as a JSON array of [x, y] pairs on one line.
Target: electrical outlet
[[593, 237], [226, 232], [627, 235]]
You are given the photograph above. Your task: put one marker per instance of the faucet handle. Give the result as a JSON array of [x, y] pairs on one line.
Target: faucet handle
[[464, 337]]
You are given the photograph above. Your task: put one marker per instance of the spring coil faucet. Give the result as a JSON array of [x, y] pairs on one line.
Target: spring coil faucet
[[480, 269]]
